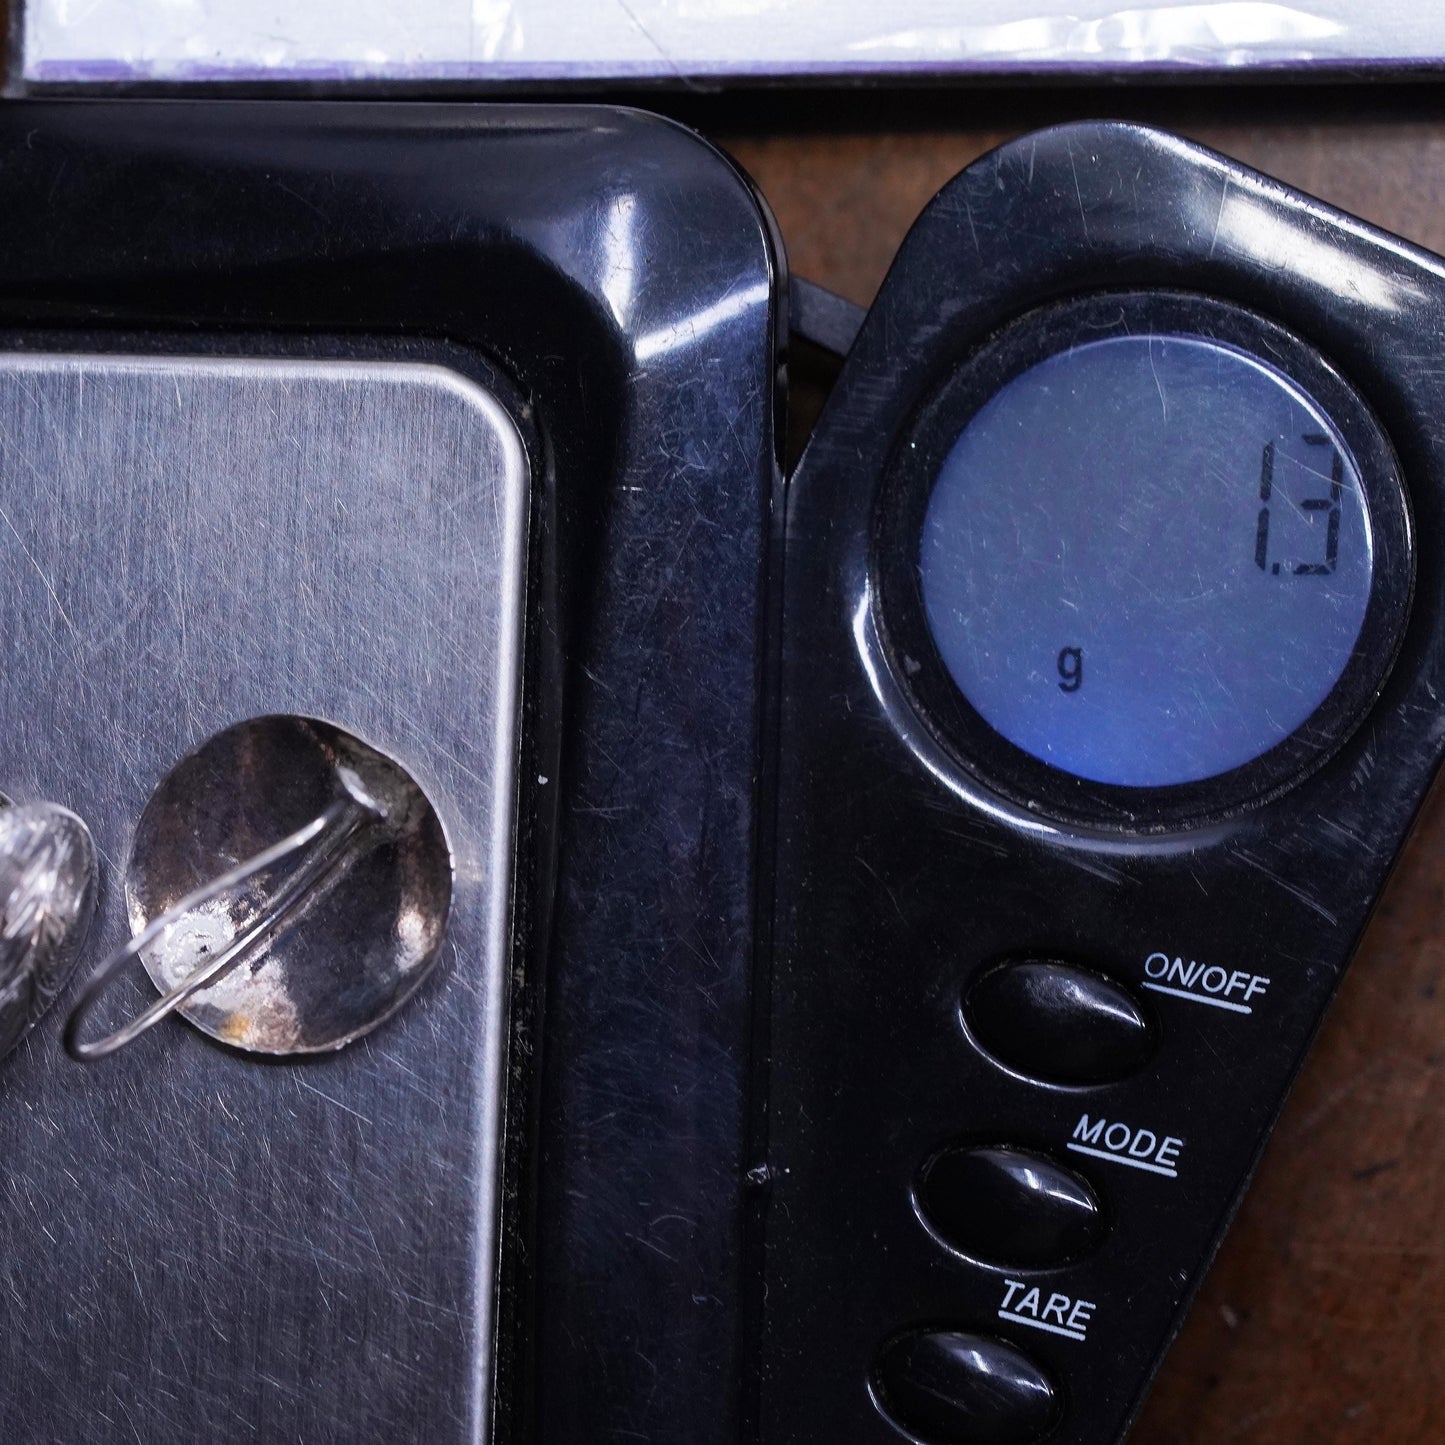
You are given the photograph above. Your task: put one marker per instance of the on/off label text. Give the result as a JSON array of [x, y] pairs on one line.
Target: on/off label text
[[1205, 983]]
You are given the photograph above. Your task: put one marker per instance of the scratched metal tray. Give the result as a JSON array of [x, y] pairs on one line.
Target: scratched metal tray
[[189, 542]]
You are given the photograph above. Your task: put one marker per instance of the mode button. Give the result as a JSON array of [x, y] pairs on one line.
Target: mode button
[[1009, 1207]]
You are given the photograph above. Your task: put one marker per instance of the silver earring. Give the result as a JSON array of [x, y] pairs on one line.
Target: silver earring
[[332, 920], [47, 899]]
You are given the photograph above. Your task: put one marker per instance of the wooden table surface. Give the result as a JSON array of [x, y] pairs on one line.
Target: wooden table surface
[[1323, 1320]]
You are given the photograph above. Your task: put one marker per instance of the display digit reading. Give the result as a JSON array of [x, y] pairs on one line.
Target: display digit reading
[[1261, 528], [1331, 504], [1320, 504]]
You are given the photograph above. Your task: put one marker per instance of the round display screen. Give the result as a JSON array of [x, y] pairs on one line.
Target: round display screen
[[1146, 559]]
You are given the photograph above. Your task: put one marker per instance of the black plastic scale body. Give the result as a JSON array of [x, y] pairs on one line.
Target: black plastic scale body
[[1029, 1031]]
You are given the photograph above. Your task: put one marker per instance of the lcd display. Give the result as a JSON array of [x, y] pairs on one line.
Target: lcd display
[[1146, 559]]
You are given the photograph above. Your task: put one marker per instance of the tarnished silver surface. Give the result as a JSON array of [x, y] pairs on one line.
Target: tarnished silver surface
[[317, 936], [362, 937], [47, 898], [193, 1240]]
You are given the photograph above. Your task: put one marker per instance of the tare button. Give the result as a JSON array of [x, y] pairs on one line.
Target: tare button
[[1127, 1145], [1203, 983]]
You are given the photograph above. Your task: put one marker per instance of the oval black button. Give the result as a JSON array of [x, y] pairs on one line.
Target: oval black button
[[950, 1388], [1008, 1207], [1058, 1022]]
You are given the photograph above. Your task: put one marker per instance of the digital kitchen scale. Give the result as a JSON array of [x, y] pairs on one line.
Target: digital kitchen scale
[[813, 973]]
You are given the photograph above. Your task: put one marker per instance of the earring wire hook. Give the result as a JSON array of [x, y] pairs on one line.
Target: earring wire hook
[[331, 830]]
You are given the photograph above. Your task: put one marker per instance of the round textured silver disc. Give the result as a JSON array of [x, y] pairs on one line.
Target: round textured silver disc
[[362, 938]]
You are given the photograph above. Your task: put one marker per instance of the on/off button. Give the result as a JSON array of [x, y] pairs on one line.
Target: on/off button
[[1057, 1022]]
